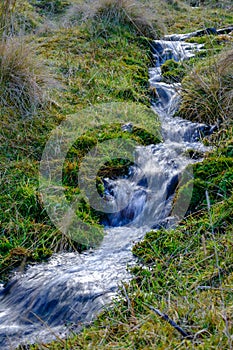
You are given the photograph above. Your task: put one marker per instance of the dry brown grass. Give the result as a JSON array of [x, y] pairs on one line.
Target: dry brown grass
[[6, 11], [24, 79], [112, 13], [207, 94]]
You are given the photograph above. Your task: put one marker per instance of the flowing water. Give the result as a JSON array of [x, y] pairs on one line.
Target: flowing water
[[69, 290]]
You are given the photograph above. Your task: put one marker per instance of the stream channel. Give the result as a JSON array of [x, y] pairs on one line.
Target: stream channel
[[71, 288]]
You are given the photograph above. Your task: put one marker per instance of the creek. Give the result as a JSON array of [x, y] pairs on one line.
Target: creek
[[69, 290]]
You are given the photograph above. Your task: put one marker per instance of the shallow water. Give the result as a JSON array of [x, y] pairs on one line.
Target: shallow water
[[69, 290]]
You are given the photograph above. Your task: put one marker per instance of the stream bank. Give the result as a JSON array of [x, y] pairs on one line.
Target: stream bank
[[135, 304], [73, 288]]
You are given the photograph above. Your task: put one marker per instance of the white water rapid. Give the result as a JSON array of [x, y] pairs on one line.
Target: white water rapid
[[70, 289]]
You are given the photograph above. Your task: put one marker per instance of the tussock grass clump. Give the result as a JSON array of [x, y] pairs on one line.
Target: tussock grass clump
[[7, 8], [17, 17], [112, 13], [207, 94], [50, 7], [23, 77]]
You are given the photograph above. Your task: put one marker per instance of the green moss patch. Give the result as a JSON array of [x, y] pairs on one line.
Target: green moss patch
[[172, 71], [88, 71]]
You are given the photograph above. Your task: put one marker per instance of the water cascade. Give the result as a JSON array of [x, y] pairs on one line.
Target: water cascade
[[71, 288]]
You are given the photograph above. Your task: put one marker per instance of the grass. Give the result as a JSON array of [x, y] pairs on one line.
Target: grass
[[24, 79], [181, 280], [207, 94], [50, 8], [7, 8], [18, 17], [87, 71], [123, 12], [185, 272], [105, 15]]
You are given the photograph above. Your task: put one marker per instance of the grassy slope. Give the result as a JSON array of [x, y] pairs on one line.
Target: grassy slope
[[89, 69], [180, 274]]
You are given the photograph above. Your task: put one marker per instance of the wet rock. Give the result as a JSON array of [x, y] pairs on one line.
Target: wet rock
[[172, 186]]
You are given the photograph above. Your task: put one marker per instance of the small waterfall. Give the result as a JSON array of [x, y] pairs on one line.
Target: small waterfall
[[69, 290], [151, 185]]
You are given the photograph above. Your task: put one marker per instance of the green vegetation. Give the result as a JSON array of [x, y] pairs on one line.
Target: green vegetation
[[106, 15], [18, 16], [172, 71], [179, 277], [99, 55], [50, 8], [24, 78], [215, 175], [6, 9], [207, 90], [186, 273], [70, 70], [122, 13]]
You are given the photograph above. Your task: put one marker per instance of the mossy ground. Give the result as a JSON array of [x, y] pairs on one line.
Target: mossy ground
[[88, 69], [185, 272]]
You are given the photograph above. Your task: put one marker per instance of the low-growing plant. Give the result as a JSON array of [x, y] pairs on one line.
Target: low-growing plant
[[172, 71]]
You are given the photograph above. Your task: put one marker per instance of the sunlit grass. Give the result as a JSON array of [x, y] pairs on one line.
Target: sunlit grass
[[178, 272], [24, 79], [207, 94]]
